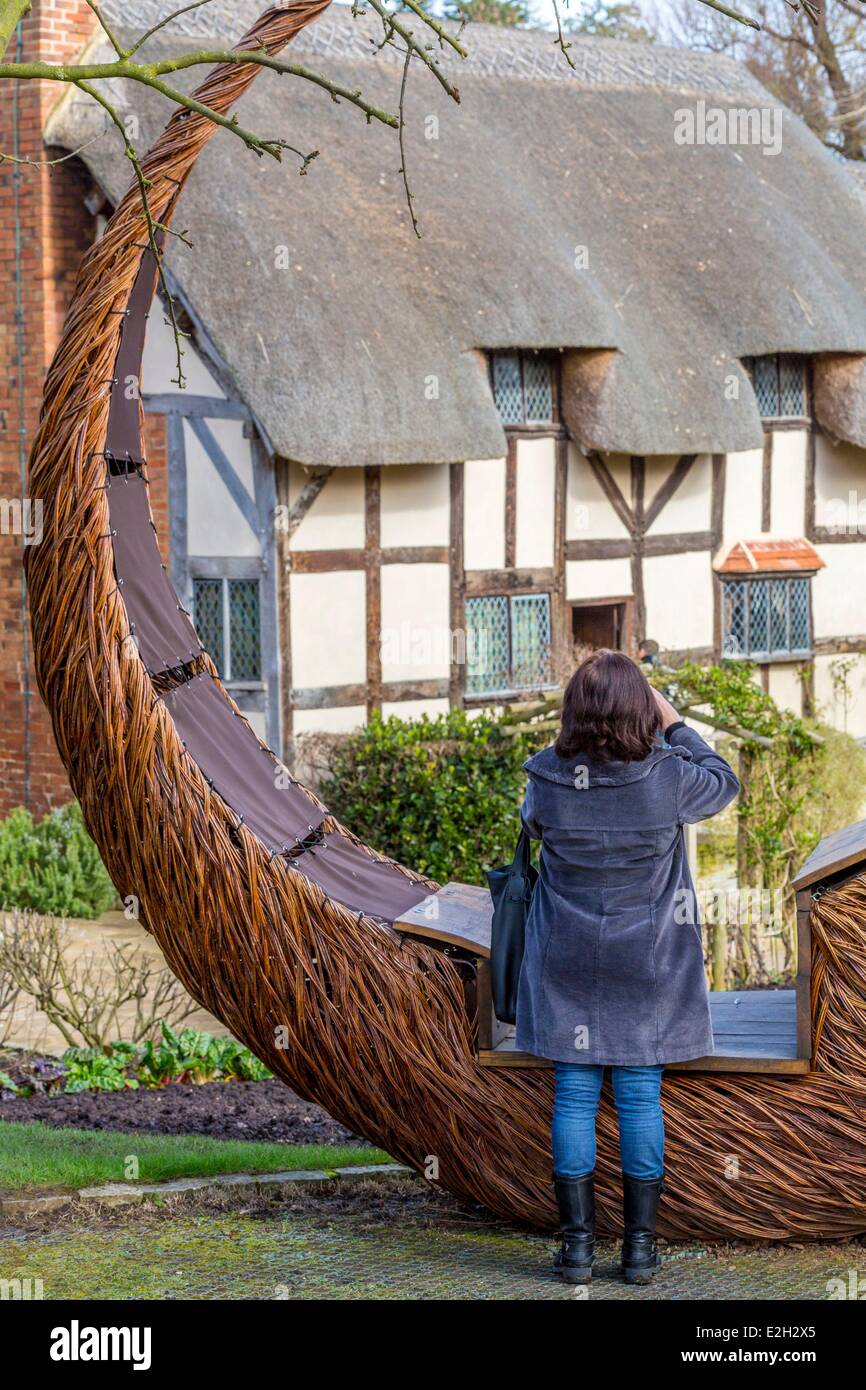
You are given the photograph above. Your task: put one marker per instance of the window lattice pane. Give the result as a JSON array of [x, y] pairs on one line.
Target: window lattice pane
[[766, 382], [792, 395], [759, 616], [507, 388], [530, 641], [766, 617], [245, 630], [486, 645], [536, 385], [779, 616], [208, 607], [734, 618], [801, 640]]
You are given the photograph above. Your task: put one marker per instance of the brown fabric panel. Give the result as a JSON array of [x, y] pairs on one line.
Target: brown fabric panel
[[351, 877], [123, 435], [164, 633], [232, 759]]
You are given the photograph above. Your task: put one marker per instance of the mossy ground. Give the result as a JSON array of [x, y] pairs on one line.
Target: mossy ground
[[400, 1241]]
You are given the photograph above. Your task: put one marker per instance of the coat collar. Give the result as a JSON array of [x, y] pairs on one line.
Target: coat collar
[[551, 768]]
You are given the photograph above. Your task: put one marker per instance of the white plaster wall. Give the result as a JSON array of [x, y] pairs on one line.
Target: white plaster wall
[[840, 470], [333, 720], [414, 709], [597, 578], [484, 514], [257, 720], [788, 484], [830, 707], [159, 362], [742, 512], [536, 484], [689, 508], [415, 622], [679, 599], [786, 688], [335, 521], [329, 628], [588, 514], [415, 503], [839, 591], [215, 524]]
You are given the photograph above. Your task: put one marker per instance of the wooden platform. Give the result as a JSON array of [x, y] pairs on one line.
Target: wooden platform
[[755, 1030], [763, 1030]]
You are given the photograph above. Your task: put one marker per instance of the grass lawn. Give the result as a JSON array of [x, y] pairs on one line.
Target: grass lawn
[[36, 1156]]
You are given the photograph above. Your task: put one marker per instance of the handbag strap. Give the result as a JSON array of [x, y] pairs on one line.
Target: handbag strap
[[522, 854]]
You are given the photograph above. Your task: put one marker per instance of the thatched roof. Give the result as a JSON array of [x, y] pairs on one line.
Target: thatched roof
[[698, 255]]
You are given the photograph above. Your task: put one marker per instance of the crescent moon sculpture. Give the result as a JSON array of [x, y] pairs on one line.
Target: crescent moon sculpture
[[272, 914]]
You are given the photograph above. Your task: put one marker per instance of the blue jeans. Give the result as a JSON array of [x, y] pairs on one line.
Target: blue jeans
[[637, 1092]]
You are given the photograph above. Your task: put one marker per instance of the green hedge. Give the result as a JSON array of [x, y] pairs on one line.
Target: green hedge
[[441, 795], [52, 866]]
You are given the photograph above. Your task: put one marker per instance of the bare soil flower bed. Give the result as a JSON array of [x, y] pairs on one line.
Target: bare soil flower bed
[[260, 1110]]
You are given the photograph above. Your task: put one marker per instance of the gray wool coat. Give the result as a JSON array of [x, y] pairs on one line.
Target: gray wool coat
[[613, 969]]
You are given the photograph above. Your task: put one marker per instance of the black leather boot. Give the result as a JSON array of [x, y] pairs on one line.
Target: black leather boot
[[640, 1200], [576, 1201]]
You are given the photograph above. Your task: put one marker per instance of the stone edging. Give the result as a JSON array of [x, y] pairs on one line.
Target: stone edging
[[117, 1194]]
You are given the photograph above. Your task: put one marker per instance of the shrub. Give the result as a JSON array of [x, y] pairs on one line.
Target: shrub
[[187, 1057], [52, 866], [441, 795], [87, 995]]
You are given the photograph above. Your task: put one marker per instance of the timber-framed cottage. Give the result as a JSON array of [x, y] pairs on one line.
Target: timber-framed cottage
[[617, 391]]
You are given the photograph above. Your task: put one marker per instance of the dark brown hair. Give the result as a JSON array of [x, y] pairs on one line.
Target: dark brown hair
[[608, 711]]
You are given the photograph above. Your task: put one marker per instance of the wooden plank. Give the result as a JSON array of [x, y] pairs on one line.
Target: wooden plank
[[611, 490], [840, 850], [595, 549], [183, 403], [343, 696], [677, 543], [225, 469], [638, 487], [767, 480], [373, 563], [416, 555], [511, 504], [753, 1030], [672, 482], [560, 613], [717, 499], [803, 984], [483, 582], [457, 586], [459, 914]]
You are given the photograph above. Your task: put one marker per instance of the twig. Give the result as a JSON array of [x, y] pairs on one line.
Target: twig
[[409, 195], [731, 14], [393, 26], [162, 23], [107, 30], [132, 156], [560, 38]]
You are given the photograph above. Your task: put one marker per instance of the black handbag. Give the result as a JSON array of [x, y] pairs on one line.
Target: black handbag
[[511, 890]]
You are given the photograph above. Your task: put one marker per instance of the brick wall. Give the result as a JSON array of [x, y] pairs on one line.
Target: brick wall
[[55, 230]]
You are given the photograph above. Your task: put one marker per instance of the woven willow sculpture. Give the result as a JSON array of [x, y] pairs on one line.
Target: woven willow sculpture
[[290, 944]]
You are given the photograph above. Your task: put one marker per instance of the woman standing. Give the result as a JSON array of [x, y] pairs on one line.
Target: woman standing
[[613, 970]]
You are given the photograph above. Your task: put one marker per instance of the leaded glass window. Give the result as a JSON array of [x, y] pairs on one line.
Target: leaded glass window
[[779, 381], [227, 616], [766, 618], [208, 600], [523, 387], [507, 643]]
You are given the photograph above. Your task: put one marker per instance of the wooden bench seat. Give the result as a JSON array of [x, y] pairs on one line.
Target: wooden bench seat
[[763, 1030]]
